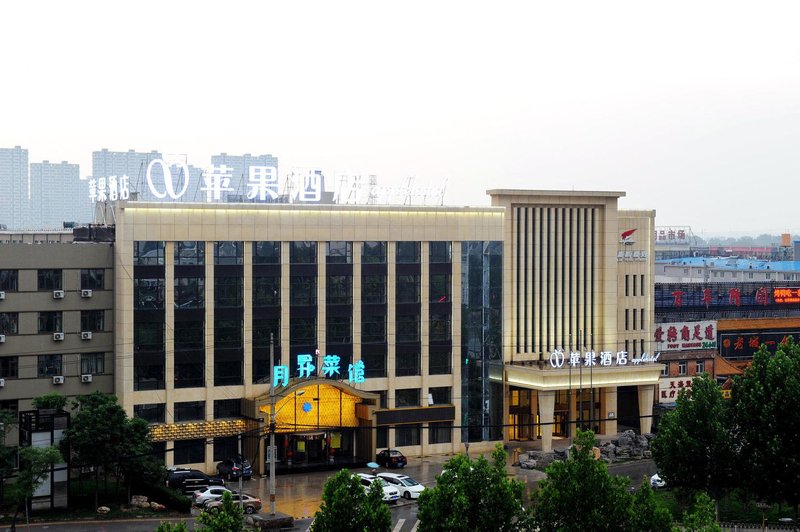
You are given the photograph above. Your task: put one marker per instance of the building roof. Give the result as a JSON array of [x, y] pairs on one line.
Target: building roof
[[726, 263]]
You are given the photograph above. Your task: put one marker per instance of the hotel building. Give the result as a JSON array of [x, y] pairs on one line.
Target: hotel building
[[518, 321]]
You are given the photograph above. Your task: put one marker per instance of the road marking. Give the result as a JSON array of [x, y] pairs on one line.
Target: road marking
[[399, 525], [416, 524]]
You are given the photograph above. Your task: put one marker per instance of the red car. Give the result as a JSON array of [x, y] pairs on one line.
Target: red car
[[391, 458]]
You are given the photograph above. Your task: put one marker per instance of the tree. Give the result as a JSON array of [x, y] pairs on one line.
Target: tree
[[701, 517], [166, 526], [52, 401], [102, 435], [35, 465], [766, 410], [7, 454], [474, 495], [694, 448], [580, 494], [228, 518], [347, 506]]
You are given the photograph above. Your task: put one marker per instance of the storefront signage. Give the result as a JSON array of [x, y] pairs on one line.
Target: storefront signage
[[632, 256], [605, 358], [786, 295], [169, 179], [678, 336], [745, 344], [330, 368], [668, 389], [672, 235]]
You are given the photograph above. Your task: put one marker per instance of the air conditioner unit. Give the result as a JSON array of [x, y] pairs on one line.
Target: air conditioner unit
[[86, 378], [58, 337], [2, 338], [2, 295], [58, 379], [2, 383], [58, 294], [86, 335], [86, 293]]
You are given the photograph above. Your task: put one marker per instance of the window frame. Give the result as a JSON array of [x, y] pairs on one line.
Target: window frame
[[51, 282], [93, 281], [49, 366], [93, 363]]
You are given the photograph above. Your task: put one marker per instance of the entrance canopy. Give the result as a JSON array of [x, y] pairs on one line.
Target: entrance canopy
[[533, 378]]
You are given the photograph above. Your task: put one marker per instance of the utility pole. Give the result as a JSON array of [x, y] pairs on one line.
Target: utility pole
[[241, 473]]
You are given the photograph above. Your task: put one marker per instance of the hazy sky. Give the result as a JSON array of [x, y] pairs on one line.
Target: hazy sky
[[692, 108]]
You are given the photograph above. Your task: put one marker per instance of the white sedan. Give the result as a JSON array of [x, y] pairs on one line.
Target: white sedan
[[390, 493], [407, 486], [210, 493]]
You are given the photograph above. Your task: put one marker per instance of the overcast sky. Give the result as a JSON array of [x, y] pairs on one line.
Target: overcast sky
[[692, 108]]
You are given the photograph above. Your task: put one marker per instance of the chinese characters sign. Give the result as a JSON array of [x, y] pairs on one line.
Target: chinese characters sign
[[678, 336], [745, 344], [668, 389], [721, 296], [786, 295], [576, 359], [330, 368], [672, 236]]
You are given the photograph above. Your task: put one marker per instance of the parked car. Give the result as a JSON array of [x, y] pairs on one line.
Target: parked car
[[233, 468], [391, 458], [407, 486], [251, 504], [390, 493], [657, 482], [190, 480], [211, 493]]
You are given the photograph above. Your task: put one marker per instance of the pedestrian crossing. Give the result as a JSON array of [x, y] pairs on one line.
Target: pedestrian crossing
[[406, 525]]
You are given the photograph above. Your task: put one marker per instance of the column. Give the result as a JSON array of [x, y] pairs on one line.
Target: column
[[608, 406], [646, 395], [547, 402]]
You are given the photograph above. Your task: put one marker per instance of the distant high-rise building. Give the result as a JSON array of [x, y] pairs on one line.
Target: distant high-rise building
[[239, 168], [14, 188], [58, 195]]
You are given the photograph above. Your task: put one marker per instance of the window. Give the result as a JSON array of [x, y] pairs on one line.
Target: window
[[407, 363], [262, 327], [148, 253], [9, 322], [93, 279], [228, 292], [408, 287], [224, 448], [408, 329], [9, 367], [407, 435], [10, 405], [682, 367], [441, 252], [189, 335], [373, 329], [303, 290], [50, 280], [440, 360], [441, 432], [50, 322], [93, 320], [8, 280], [406, 398], [627, 316], [49, 365], [768, 275], [93, 363], [634, 284], [339, 290], [226, 253], [303, 252], [267, 252], [634, 318], [190, 411], [440, 328], [228, 333], [382, 437], [190, 292], [225, 408], [665, 370], [340, 253], [303, 331], [440, 286], [373, 253], [641, 315], [148, 294], [641, 285], [148, 336], [152, 413], [383, 401], [189, 451], [441, 395], [267, 291], [700, 367], [373, 289], [339, 330], [190, 252], [408, 252]]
